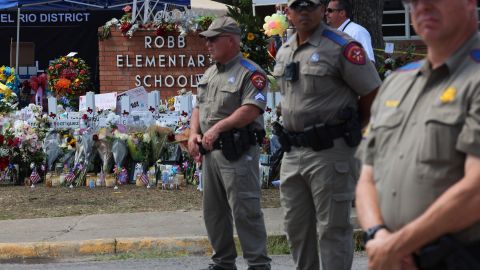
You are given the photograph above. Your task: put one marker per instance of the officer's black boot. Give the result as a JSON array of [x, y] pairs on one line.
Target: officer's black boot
[[213, 267], [263, 267]]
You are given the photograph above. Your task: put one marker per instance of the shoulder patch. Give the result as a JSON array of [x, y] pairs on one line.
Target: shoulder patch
[[355, 54], [475, 54], [410, 66], [258, 80], [246, 64], [334, 37]]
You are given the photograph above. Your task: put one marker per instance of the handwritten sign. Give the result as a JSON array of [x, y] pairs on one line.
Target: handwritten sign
[[106, 101], [138, 99]]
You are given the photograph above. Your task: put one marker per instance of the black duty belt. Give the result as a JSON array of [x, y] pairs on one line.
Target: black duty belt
[[303, 139]]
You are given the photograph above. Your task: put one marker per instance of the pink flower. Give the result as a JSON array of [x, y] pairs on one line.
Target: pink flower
[[127, 9]]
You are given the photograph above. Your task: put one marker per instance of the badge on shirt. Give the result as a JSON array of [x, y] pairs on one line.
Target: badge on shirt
[[355, 54], [231, 80], [448, 95], [392, 103], [258, 80], [315, 58], [260, 97]]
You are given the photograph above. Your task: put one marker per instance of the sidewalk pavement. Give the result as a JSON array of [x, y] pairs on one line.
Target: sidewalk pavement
[[177, 232]]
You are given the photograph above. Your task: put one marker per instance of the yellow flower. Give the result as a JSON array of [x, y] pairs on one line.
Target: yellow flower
[[10, 79], [250, 36], [448, 95], [75, 60], [246, 54], [171, 101], [76, 80]]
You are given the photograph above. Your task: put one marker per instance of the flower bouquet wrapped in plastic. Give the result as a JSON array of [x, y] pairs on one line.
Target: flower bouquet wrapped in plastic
[[103, 145], [158, 138], [139, 148], [83, 158], [120, 151]]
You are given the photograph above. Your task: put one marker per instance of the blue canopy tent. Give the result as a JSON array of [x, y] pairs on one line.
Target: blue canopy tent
[[72, 5]]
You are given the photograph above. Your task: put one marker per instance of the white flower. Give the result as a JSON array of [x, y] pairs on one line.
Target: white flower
[[122, 136], [18, 127], [112, 118], [389, 61], [146, 138]]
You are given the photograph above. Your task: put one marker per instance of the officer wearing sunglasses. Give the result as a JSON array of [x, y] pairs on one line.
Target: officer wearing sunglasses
[[327, 85]]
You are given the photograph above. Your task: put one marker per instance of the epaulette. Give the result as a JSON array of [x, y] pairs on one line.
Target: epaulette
[[334, 37], [245, 63], [410, 66], [475, 54]]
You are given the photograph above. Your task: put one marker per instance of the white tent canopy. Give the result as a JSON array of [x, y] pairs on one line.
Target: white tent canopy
[[208, 7]]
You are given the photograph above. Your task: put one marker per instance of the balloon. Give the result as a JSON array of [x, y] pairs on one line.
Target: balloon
[[275, 24]]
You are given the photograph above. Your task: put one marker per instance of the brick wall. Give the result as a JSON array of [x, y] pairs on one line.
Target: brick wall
[[147, 60]]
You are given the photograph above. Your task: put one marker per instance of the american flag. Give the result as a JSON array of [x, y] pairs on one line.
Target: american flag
[[144, 179], [69, 177], [34, 177]]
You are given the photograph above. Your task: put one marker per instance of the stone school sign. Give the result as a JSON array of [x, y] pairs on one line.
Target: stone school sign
[[164, 63]]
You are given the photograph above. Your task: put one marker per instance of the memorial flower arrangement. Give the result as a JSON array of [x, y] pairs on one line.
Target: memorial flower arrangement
[[68, 78], [391, 62], [254, 41], [27, 143], [8, 86], [166, 23], [139, 146], [8, 78]]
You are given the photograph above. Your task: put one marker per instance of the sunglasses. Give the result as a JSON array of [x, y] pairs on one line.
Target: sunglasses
[[215, 38], [304, 5], [331, 10]]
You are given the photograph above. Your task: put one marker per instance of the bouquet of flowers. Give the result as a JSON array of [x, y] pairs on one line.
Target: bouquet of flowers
[[119, 151], [139, 148], [159, 137], [29, 147], [103, 144], [68, 78], [8, 87], [83, 157], [51, 148], [125, 25]]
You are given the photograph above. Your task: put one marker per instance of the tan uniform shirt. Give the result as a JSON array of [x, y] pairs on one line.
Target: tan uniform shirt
[[424, 122], [224, 88], [333, 72]]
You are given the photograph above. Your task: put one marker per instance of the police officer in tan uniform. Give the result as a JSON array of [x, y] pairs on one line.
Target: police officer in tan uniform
[[418, 194], [327, 85], [226, 127]]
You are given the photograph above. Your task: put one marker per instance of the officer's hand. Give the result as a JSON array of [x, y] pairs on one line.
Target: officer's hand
[[209, 138], [193, 150], [380, 253]]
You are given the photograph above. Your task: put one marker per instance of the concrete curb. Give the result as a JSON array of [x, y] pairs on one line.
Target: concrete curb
[[56, 249], [173, 246]]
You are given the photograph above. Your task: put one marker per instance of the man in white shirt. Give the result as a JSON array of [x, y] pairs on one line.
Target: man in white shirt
[[338, 15]]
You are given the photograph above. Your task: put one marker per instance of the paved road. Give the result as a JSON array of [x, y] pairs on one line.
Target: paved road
[[186, 263]]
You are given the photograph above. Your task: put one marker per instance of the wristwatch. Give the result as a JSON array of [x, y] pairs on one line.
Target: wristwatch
[[369, 234]]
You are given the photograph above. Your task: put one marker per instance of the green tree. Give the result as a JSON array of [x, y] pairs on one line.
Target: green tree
[[369, 14], [254, 42]]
